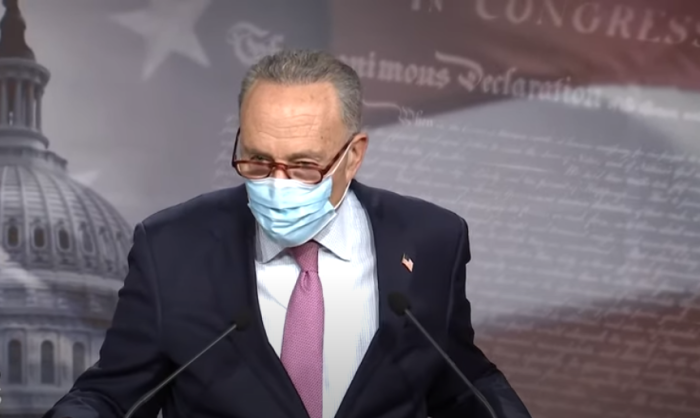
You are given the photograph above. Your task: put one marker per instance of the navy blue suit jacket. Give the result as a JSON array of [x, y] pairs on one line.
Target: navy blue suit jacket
[[191, 270]]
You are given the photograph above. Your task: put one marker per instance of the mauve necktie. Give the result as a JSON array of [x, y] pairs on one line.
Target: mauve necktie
[[302, 342]]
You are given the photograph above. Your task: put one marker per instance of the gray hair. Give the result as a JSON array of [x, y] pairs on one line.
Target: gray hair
[[300, 66]]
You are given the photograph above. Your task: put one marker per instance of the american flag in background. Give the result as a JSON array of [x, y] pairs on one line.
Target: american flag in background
[[142, 91]]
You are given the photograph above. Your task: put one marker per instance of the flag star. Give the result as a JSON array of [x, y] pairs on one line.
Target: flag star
[[167, 26]]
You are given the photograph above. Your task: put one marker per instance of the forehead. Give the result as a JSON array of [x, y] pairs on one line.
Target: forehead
[[278, 110]]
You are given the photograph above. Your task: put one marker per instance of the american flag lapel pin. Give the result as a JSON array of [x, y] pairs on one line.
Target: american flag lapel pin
[[407, 262]]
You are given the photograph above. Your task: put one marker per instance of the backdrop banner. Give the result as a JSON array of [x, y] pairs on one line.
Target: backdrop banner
[[564, 131], [566, 134]]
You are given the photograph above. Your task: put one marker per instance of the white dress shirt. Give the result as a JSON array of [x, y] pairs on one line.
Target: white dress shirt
[[347, 268]]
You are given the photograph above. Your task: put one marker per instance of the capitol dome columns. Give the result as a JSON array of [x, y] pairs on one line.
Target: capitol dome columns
[[20, 100], [22, 80]]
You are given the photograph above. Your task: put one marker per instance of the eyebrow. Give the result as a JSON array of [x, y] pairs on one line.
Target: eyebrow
[[314, 155]]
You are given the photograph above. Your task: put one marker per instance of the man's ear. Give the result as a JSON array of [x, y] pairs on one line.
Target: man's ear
[[356, 154]]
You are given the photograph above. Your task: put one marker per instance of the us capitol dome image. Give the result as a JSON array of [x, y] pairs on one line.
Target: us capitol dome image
[[63, 247]]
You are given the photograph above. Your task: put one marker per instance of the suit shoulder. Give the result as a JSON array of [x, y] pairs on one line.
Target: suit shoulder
[[416, 208], [195, 211]]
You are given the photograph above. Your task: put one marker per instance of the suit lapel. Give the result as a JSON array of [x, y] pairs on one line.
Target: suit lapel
[[235, 287], [391, 245]]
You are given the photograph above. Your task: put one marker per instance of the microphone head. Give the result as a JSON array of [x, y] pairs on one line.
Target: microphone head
[[242, 320], [398, 303]]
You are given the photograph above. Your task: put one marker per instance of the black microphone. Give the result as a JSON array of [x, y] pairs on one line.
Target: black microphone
[[239, 324], [400, 305]]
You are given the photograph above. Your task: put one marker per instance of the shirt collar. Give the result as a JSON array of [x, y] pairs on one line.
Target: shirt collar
[[334, 237]]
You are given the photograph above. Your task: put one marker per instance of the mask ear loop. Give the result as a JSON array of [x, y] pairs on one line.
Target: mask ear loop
[[342, 198], [330, 175]]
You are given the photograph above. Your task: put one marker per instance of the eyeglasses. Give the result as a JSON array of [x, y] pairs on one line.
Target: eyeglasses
[[257, 170]]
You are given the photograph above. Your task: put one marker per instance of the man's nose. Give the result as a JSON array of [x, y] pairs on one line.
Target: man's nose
[[279, 173]]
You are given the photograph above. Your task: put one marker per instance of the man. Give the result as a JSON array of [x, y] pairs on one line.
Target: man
[[312, 255]]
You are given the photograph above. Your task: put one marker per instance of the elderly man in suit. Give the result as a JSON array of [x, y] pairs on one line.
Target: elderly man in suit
[[313, 255]]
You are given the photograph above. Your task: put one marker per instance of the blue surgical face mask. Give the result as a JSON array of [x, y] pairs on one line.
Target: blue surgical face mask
[[289, 211]]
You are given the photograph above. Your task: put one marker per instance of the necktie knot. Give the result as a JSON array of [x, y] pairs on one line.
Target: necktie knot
[[306, 256]]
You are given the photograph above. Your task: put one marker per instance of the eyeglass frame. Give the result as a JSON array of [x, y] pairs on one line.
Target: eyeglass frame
[[274, 165]]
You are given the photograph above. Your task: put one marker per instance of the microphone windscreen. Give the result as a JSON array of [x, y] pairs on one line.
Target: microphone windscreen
[[398, 303], [242, 320]]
